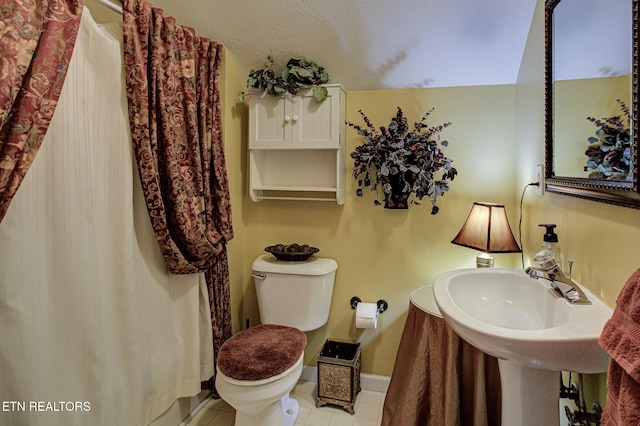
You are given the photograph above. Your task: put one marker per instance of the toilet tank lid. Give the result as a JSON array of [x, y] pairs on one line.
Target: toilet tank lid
[[313, 266]]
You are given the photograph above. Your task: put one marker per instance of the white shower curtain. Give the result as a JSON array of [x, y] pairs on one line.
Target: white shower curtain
[[93, 330]]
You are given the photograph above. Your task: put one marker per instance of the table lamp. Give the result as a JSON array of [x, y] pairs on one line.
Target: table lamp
[[487, 229]]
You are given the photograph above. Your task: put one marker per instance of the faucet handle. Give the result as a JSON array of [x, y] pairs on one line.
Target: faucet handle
[[570, 262]]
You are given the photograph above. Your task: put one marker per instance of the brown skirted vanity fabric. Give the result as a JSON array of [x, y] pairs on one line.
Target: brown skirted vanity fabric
[[260, 352], [439, 379]]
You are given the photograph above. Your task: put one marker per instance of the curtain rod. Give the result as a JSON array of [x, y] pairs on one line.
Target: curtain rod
[[110, 5]]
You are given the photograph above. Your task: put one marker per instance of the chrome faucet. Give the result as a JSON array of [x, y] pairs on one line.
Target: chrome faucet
[[560, 283]]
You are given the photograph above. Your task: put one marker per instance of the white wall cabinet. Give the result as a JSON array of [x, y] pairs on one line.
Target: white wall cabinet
[[297, 147]]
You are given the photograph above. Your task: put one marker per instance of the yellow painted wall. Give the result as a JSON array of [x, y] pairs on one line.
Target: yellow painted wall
[[574, 101], [234, 119], [603, 240], [386, 254], [496, 140]]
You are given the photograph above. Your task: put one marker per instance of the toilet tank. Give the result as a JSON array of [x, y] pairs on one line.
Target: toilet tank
[[296, 294]]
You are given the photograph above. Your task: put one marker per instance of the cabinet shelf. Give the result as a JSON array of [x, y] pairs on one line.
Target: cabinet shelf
[[296, 188], [294, 193]]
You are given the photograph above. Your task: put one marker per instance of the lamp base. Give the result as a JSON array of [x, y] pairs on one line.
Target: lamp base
[[484, 260]]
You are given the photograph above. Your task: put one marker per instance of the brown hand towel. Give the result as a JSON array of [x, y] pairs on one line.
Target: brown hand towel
[[621, 339]]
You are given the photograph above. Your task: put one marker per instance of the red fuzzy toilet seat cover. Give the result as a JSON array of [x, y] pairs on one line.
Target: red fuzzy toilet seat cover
[[260, 352]]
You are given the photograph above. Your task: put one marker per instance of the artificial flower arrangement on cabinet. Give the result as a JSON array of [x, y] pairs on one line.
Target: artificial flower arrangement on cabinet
[[609, 152], [299, 74], [403, 162]]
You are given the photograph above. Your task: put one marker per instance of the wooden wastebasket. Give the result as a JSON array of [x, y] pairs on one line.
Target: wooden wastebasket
[[339, 374]]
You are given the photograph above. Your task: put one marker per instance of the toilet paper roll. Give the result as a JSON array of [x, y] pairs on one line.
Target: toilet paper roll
[[366, 315]]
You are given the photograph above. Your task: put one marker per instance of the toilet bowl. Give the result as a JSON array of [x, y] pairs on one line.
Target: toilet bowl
[[257, 369]]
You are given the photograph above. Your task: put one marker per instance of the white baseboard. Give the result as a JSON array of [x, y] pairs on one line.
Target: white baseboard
[[370, 382]]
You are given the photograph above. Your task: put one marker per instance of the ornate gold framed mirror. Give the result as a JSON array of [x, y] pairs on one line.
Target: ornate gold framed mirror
[[591, 100]]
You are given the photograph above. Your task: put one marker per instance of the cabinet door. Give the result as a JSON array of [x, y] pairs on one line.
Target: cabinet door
[[269, 122], [316, 125]]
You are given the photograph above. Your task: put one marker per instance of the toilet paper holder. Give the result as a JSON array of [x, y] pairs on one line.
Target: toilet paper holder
[[382, 304]]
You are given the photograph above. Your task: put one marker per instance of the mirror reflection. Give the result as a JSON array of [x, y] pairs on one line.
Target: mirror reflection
[[591, 83]]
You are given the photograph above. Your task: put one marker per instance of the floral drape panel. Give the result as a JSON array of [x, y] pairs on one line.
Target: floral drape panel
[[174, 111], [36, 41]]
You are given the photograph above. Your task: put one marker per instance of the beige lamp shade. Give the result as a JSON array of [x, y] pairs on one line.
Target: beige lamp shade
[[487, 229]]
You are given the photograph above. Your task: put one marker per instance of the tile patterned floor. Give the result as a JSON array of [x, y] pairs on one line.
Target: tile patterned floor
[[368, 410]]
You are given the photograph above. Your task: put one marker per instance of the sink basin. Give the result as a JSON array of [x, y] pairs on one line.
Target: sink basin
[[534, 334], [509, 315]]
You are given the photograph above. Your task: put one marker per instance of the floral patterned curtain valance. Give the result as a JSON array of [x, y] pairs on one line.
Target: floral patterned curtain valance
[[174, 111], [36, 41]]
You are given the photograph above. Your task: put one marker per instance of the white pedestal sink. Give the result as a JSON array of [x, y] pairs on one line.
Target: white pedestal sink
[[534, 333]]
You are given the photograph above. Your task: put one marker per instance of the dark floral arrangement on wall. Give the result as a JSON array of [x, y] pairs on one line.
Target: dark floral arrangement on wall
[[609, 152], [403, 162], [299, 74]]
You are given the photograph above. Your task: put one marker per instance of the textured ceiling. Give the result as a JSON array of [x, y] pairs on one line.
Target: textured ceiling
[[369, 44]]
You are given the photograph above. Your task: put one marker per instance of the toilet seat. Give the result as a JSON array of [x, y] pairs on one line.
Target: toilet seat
[[261, 353], [237, 382]]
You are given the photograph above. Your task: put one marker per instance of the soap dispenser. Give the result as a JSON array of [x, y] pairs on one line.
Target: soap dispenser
[[550, 246]]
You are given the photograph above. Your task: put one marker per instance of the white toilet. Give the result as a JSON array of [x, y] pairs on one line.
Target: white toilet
[[258, 367]]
